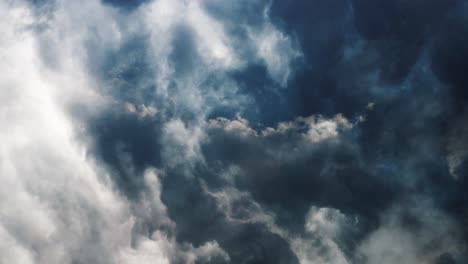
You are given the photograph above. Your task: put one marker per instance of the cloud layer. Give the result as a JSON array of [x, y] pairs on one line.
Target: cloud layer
[[255, 131]]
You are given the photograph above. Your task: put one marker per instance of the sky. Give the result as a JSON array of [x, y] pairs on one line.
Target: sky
[[245, 132]]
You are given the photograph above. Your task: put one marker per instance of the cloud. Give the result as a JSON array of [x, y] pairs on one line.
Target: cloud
[[245, 132], [276, 50], [456, 153], [322, 226], [49, 211], [413, 233], [59, 205]]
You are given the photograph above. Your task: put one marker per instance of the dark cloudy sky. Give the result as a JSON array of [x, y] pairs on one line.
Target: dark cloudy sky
[[244, 132]]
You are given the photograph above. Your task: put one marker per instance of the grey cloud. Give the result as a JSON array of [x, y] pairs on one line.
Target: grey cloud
[[414, 232]]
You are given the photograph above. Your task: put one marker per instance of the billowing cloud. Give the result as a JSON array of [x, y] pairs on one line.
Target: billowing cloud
[[157, 131]]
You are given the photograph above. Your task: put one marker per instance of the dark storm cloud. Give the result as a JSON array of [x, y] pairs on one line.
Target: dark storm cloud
[[287, 173]]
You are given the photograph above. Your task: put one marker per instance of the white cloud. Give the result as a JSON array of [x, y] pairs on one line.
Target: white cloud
[[309, 253], [57, 204], [276, 50], [54, 198], [324, 225], [182, 142], [160, 249], [11, 251], [324, 221], [212, 45], [147, 251], [239, 125], [142, 111], [313, 129]]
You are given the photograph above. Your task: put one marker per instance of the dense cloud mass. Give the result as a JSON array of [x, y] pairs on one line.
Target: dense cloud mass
[[249, 131]]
